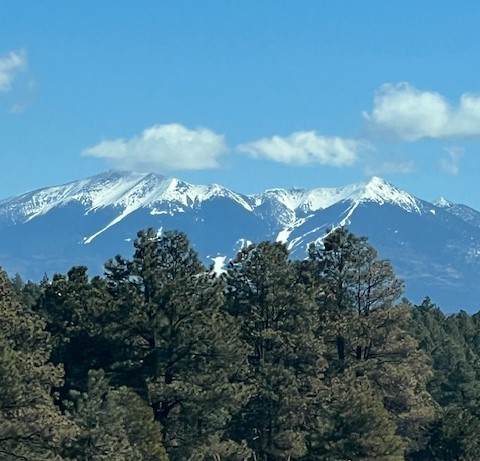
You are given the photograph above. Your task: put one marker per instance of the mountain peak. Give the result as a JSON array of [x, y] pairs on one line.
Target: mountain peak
[[88, 220], [380, 191], [376, 184], [442, 203], [375, 189], [377, 180]]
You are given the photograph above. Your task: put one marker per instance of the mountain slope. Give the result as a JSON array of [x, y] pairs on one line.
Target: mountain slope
[[435, 247]]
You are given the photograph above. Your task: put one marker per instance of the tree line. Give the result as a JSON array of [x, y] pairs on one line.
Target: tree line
[[269, 359]]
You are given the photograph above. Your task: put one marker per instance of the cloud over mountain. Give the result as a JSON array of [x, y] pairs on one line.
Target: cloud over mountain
[[10, 64], [304, 148], [389, 167], [163, 148], [451, 163], [409, 114]]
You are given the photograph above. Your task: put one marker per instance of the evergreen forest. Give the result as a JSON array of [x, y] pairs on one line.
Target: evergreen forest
[[269, 359]]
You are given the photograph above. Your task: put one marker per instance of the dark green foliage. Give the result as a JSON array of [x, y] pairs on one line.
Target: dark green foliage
[[182, 350], [31, 426], [355, 278], [115, 424], [366, 333], [452, 437], [277, 318], [274, 360], [77, 312], [451, 342], [27, 293], [353, 289], [353, 424]]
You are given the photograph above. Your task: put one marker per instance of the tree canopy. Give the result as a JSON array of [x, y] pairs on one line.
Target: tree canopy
[[163, 359]]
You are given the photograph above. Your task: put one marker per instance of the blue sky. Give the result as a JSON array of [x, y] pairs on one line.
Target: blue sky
[[248, 94]]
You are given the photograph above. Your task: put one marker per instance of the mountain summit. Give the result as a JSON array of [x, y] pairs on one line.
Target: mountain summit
[[127, 193], [435, 247]]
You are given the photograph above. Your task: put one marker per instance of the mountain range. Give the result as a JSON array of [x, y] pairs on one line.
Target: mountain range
[[434, 247]]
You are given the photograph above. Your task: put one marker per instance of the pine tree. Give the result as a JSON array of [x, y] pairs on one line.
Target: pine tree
[[277, 319], [78, 313], [115, 424], [453, 437], [27, 293], [450, 343], [367, 333], [181, 348], [454, 379], [31, 426], [353, 283], [357, 279], [352, 423]]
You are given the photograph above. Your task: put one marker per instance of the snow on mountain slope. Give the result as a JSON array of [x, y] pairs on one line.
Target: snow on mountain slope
[[153, 192], [93, 192], [463, 212], [307, 200], [127, 191], [379, 191], [299, 204], [442, 202], [434, 247], [140, 190]]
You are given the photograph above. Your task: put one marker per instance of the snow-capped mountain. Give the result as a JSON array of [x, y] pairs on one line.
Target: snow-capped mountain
[[435, 247], [463, 212]]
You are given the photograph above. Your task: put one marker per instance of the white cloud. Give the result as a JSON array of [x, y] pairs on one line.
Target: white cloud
[[10, 64], [162, 148], [409, 114], [451, 163], [388, 167], [305, 147]]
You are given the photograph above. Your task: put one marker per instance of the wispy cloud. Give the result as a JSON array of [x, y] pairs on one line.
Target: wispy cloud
[[163, 148], [17, 108], [451, 163], [410, 114], [304, 148], [391, 166], [10, 64]]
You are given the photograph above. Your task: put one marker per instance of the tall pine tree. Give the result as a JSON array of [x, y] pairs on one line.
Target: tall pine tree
[[181, 348], [31, 426], [277, 318]]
